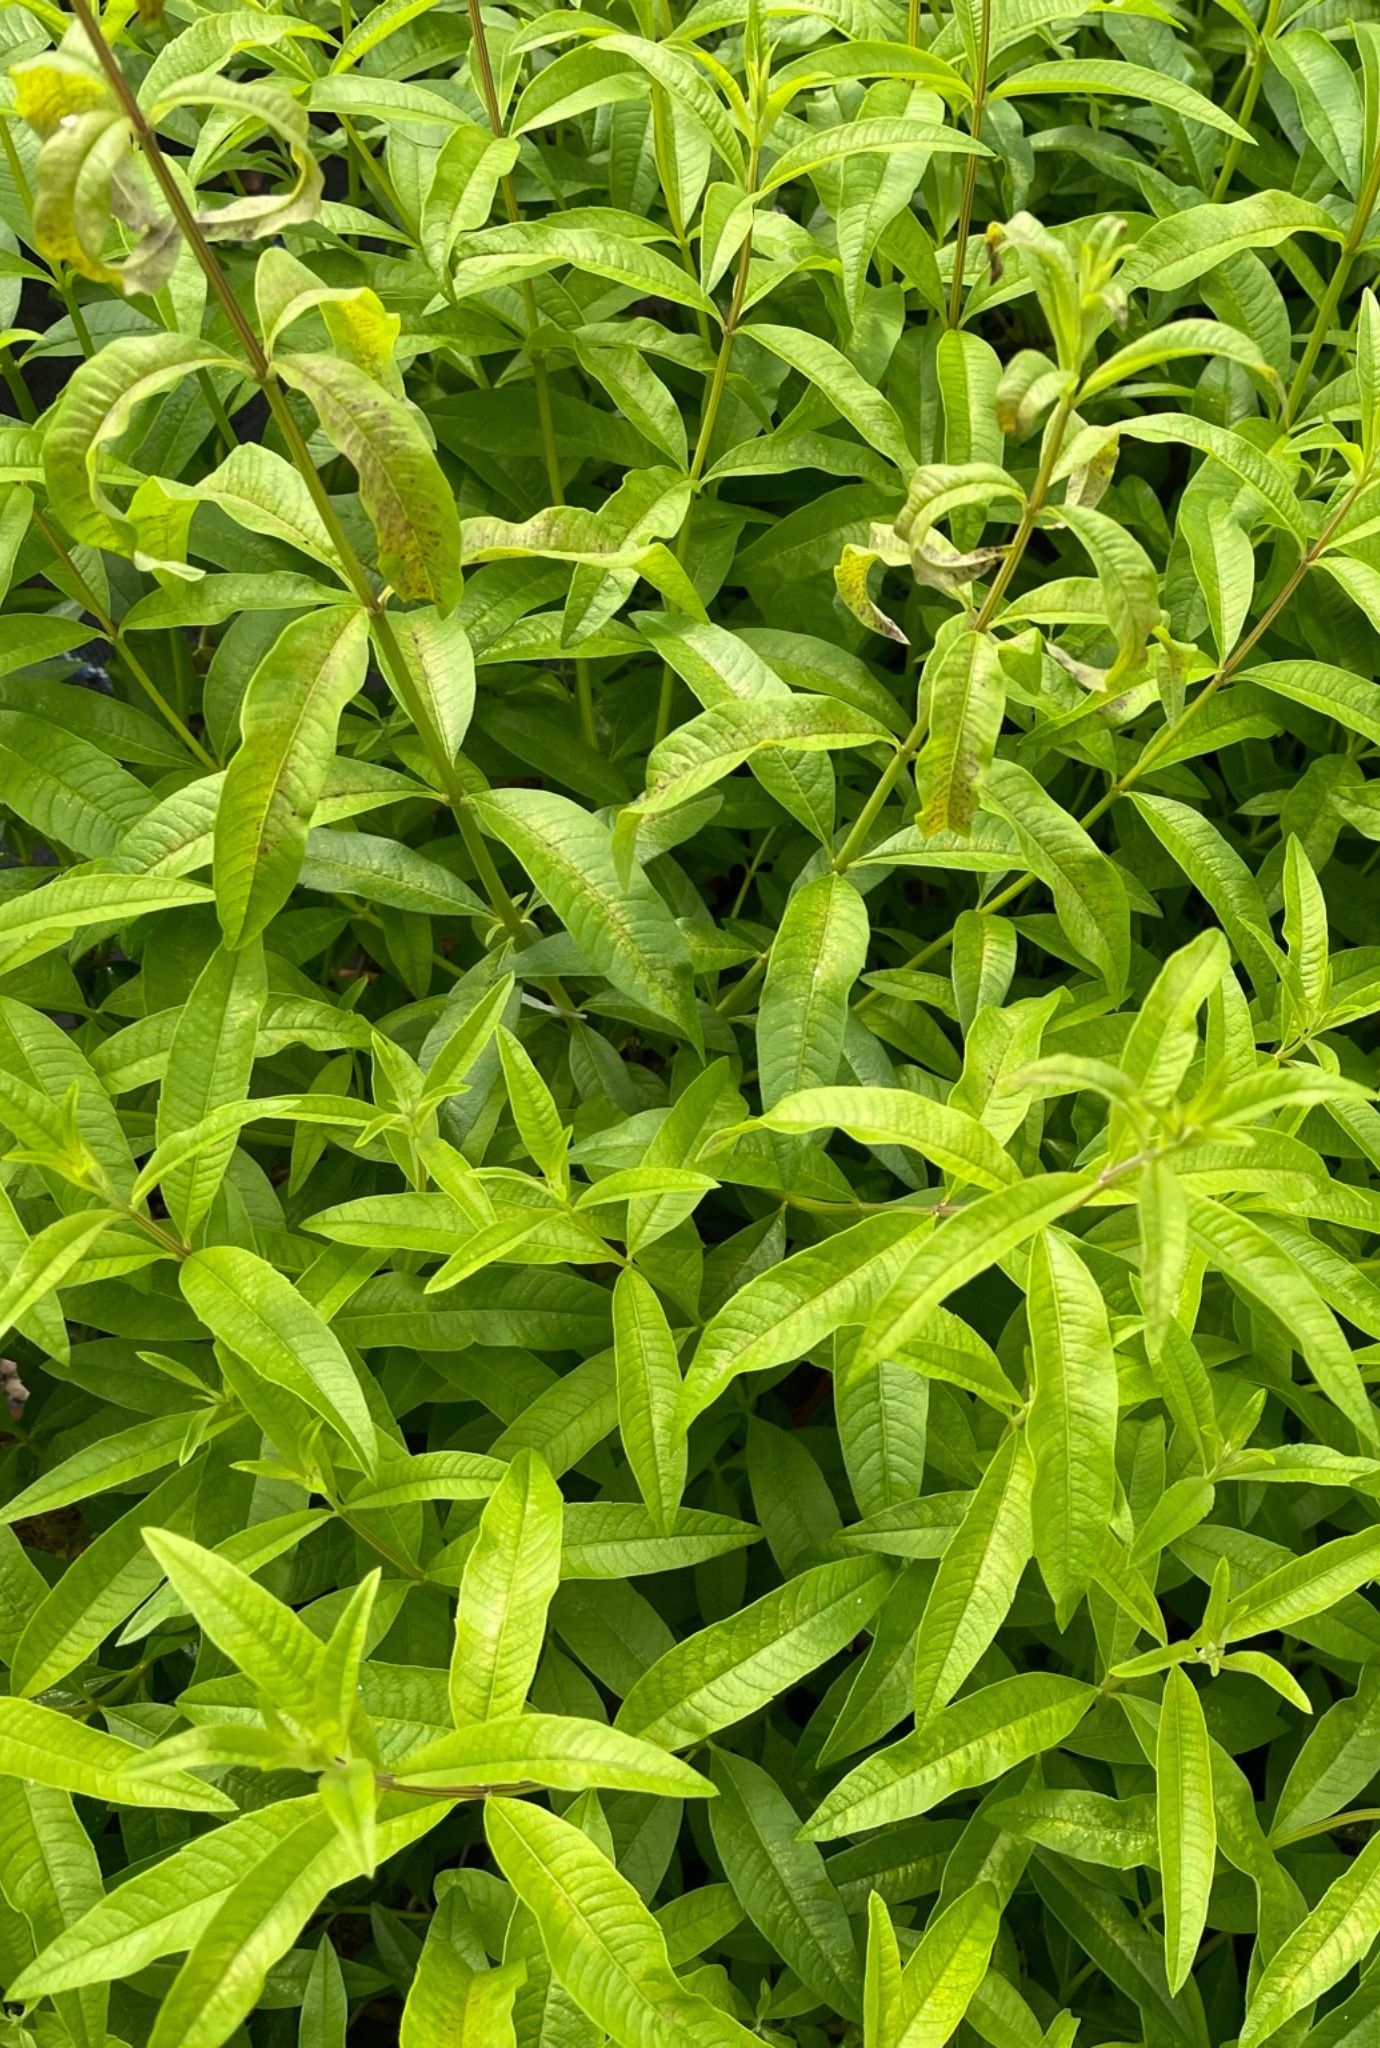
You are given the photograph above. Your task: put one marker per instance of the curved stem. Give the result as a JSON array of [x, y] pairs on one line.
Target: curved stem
[[584, 688], [1254, 76], [1034, 506], [1011, 561], [1336, 285], [1161, 742], [122, 647], [970, 164], [709, 418], [442, 765]]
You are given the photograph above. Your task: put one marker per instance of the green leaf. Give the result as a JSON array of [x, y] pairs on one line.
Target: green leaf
[[781, 1882], [730, 1669], [816, 957], [258, 1920], [400, 483], [567, 1754], [1072, 1425], [210, 1061], [1333, 1938], [454, 2001], [969, 1743], [982, 1232], [289, 720], [627, 934], [965, 693], [99, 402], [50, 1748], [784, 1312], [275, 1650], [510, 1576], [41, 919], [951, 1139], [603, 1945], [1186, 1821], [1121, 81], [649, 1387], [976, 1581], [266, 1321], [947, 1967]]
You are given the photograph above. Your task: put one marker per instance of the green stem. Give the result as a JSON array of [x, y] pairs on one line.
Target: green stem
[[709, 418], [886, 783], [122, 647], [1336, 285], [1254, 75], [584, 687], [1034, 505], [443, 767], [1161, 742], [55, 271], [383, 1550], [970, 164], [910, 746], [19, 390]]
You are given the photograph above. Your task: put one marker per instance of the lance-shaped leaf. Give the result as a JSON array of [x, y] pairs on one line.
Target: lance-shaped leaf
[[626, 932], [963, 693], [510, 1576], [50, 1748], [548, 1749], [649, 1387], [951, 1139], [735, 1666], [401, 486], [946, 1968], [210, 1061], [968, 1743], [455, 2001], [976, 1581], [1186, 1821], [97, 405], [289, 720], [1333, 1938], [258, 1921], [1072, 1423], [602, 1943], [781, 1882], [268, 1642], [269, 1323], [967, 1244], [816, 957], [41, 919], [782, 1313]]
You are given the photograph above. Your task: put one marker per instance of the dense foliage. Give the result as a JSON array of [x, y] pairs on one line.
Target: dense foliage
[[686, 960]]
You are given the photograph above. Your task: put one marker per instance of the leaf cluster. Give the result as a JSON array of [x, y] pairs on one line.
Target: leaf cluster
[[689, 1156]]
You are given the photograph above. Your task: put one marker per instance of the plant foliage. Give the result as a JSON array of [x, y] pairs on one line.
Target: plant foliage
[[687, 955]]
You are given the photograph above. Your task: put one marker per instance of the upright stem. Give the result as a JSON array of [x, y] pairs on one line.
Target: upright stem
[[709, 418], [1254, 75], [886, 782], [1034, 506], [1163, 740], [122, 647], [19, 390], [584, 688], [443, 767], [910, 746], [970, 164], [1337, 283]]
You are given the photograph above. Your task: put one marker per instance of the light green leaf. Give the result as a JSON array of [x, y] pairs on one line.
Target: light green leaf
[[510, 1576]]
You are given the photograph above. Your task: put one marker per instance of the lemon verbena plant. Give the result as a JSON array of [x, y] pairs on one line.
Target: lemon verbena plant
[[689, 1208]]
